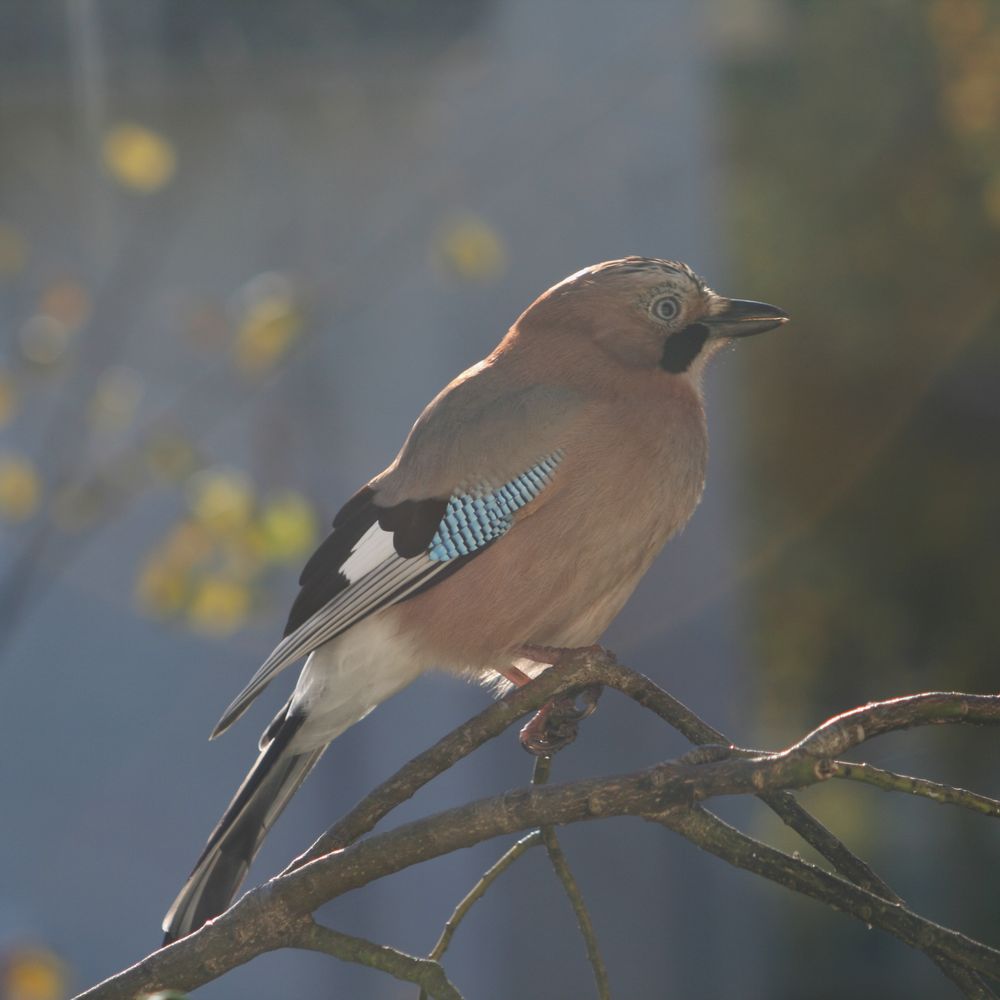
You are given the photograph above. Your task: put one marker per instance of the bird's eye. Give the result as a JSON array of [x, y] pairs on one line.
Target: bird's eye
[[666, 308]]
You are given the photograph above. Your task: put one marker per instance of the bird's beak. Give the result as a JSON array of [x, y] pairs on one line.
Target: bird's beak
[[743, 318]]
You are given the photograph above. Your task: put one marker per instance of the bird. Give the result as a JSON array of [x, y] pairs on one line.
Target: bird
[[526, 503]]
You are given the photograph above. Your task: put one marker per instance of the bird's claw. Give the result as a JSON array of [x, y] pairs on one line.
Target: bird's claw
[[554, 726]]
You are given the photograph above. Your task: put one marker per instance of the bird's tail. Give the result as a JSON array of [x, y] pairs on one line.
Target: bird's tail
[[257, 804]]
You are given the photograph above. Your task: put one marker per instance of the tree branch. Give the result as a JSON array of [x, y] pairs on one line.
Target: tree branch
[[269, 916], [846, 731], [278, 914], [715, 836], [575, 672], [889, 781], [459, 743], [477, 892], [424, 972], [564, 873]]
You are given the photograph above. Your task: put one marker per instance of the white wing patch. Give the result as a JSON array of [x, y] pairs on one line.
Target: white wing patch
[[373, 548]]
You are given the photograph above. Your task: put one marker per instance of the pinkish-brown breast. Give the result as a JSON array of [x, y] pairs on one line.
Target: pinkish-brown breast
[[632, 475]]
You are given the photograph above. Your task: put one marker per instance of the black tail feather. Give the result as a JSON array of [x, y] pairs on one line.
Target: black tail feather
[[237, 837]]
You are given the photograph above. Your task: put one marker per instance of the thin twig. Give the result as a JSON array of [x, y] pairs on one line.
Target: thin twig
[[546, 835], [650, 695], [826, 843], [850, 866], [425, 972], [958, 956], [890, 781], [543, 768], [477, 892]]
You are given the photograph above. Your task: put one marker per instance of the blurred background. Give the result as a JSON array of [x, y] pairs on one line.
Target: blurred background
[[243, 243]]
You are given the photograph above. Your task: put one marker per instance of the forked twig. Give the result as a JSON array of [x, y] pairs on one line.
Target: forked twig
[[890, 781], [477, 892], [425, 972]]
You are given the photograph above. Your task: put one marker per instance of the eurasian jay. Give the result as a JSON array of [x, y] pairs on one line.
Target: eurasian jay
[[525, 505]]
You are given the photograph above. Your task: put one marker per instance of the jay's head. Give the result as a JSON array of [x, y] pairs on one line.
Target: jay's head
[[642, 312]]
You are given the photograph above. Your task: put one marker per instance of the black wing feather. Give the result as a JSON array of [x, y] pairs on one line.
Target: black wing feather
[[412, 523]]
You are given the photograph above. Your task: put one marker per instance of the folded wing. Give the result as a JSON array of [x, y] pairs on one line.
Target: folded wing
[[378, 556]]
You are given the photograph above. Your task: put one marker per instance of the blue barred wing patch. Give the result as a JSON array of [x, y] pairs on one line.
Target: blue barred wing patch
[[475, 518]]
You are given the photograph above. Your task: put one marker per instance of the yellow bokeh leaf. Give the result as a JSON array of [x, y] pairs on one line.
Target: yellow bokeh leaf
[[170, 456], [956, 23], [20, 488], [221, 499], [972, 103], [470, 247], [139, 158], [219, 606], [187, 545], [288, 525], [32, 974], [269, 328], [162, 588]]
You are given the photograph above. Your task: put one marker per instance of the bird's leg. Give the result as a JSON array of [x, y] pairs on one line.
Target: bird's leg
[[517, 677], [554, 725]]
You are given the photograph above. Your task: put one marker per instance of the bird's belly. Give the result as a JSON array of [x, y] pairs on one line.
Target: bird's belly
[[344, 679], [594, 585]]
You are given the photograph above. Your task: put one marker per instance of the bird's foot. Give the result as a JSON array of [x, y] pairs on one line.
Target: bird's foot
[[555, 724]]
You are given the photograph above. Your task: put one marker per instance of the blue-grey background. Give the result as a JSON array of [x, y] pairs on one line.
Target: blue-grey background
[[404, 178]]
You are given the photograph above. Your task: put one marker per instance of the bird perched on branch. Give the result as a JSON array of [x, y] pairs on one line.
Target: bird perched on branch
[[525, 505]]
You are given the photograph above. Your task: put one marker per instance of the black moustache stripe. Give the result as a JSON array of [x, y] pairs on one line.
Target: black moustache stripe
[[683, 347]]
